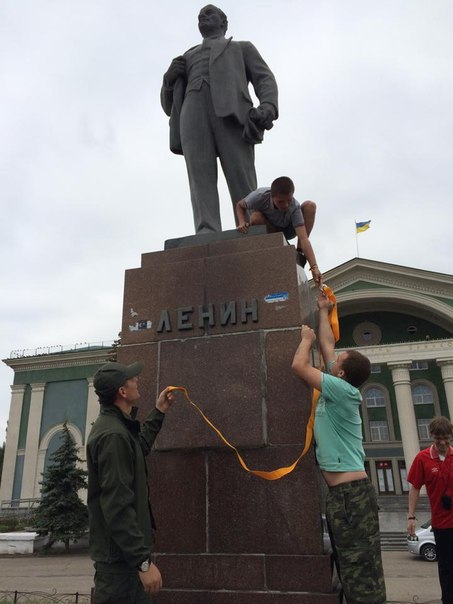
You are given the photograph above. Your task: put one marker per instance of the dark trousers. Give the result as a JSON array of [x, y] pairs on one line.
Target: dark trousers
[[118, 583], [352, 518], [444, 547]]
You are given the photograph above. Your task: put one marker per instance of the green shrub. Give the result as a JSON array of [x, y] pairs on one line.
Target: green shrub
[[11, 524]]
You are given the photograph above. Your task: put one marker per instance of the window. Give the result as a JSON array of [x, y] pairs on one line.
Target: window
[[422, 426], [374, 397], [418, 365], [379, 431], [385, 476], [366, 334], [422, 395]]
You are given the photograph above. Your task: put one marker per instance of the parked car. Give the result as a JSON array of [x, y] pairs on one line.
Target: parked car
[[423, 543]]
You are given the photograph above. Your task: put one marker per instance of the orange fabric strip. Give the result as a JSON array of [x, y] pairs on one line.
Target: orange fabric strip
[[273, 474], [333, 312]]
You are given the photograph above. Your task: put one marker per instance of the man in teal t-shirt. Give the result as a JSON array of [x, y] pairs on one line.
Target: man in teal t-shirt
[[351, 505], [338, 427]]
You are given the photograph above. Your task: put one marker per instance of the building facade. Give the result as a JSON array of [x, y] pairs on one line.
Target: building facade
[[400, 317], [48, 390]]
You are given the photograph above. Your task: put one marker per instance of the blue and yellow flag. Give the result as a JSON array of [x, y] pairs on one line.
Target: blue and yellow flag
[[362, 226]]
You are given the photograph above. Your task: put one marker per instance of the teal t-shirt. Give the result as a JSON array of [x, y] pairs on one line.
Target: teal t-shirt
[[338, 427]]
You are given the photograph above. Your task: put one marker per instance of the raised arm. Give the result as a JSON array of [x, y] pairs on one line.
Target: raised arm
[[153, 423], [325, 334], [301, 364]]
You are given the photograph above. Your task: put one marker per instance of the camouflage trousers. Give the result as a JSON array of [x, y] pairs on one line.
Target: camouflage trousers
[[352, 518]]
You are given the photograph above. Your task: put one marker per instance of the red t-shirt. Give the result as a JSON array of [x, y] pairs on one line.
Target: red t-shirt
[[428, 469]]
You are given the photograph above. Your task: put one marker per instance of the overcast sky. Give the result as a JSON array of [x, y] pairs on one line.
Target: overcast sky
[[88, 182]]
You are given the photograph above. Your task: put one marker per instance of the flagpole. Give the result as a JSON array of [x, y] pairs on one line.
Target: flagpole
[[356, 239]]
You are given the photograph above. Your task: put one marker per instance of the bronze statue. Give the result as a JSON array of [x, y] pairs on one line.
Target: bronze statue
[[205, 93]]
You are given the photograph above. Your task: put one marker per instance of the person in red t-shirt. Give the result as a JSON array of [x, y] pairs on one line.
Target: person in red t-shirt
[[433, 467]]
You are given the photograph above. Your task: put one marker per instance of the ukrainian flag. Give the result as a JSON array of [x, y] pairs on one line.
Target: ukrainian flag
[[362, 226]]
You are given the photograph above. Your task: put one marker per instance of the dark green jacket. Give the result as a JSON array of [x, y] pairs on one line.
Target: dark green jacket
[[121, 521]]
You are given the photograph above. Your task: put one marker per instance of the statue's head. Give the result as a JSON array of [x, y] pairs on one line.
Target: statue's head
[[212, 21]]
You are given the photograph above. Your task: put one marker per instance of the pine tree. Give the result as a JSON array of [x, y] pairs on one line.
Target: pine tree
[[61, 514]]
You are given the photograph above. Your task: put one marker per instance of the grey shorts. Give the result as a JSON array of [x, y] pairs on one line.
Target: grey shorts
[[288, 231]]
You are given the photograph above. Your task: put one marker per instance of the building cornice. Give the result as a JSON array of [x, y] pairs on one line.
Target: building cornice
[[382, 273], [389, 282], [415, 303], [438, 350], [59, 360]]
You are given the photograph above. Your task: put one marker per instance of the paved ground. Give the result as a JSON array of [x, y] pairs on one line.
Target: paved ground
[[408, 579]]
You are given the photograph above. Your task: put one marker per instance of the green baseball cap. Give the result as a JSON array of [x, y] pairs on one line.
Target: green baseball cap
[[112, 376]]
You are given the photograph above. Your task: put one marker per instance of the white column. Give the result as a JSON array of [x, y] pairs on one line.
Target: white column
[[406, 413], [92, 413], [29, 478], [446, 368], [12, 441], [92, 409]]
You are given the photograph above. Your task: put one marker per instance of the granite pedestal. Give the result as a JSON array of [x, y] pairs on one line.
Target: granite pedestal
[[222, 318]]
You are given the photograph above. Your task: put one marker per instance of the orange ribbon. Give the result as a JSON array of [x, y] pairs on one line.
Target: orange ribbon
[[280, 472], [273, 474], [333, 312]]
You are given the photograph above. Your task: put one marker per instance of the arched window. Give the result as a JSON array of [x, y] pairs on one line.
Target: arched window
[[422, 394], [376, 413], [52, 441], [374, 397]]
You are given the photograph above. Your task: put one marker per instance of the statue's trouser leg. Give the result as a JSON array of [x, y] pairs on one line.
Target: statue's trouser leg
[[237, 158], [199, 150]]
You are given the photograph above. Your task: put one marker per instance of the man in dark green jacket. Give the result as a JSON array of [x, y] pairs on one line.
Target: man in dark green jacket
[[121, 520]]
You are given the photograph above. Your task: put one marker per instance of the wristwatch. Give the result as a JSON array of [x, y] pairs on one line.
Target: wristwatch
[[144, 566]]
